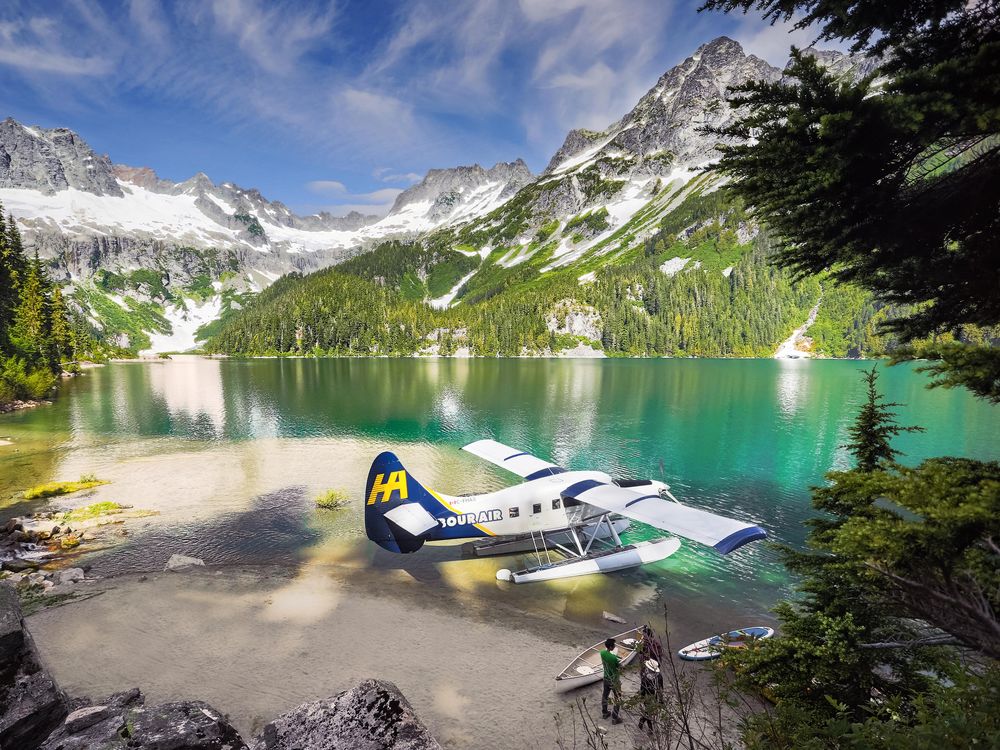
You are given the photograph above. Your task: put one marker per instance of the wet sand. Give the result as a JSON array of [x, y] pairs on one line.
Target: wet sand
[[255, 643]]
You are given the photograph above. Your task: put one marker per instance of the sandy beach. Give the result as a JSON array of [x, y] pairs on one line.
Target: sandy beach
[[254, 643]]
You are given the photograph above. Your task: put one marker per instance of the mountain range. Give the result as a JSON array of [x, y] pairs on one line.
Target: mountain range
[[186, 254]]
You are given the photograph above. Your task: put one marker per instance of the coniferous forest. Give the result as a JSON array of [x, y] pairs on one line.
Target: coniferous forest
[[37, 335]]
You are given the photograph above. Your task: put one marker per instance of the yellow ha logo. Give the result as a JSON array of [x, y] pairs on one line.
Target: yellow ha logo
[[397, 481]]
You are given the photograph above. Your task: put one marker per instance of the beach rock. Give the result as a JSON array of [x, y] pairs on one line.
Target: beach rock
[[122, 723], [33, 707], [72, 575], [86, 717], [19, 566], [105, 734], [183, 562], [126, 698], [372, 716], [11, 630], [189, 725], [96, 726]]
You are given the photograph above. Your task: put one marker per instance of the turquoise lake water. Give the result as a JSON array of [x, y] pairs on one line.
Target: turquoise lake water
[[232, 454]]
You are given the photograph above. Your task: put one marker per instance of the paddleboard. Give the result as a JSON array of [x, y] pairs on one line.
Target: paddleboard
[[712, 648]]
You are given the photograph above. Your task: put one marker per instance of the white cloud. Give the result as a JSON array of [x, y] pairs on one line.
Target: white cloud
[[374, 202], [148, 16], [327, 186], [438, 83], [387, 174], [773, 42], [36, 45], [274, 35]]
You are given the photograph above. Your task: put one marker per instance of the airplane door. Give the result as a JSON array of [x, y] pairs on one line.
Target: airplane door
[[536, 517]]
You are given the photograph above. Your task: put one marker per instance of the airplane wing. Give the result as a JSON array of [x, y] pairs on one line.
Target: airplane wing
[[721, 533], [517, 461]]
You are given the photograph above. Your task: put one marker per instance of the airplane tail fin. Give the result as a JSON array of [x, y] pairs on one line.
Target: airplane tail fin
[[399, 511]]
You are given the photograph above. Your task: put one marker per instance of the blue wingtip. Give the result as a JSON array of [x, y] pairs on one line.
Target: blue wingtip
[[738, 538]]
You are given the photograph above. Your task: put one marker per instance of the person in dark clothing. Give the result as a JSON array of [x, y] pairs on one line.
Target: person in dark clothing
[[650, 692], [612, 682]]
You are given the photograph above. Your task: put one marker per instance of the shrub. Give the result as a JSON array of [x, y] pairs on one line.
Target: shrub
[[18, 381], [332, 499]]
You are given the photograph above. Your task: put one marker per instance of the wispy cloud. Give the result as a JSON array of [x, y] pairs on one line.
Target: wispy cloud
[[36, 44], [387, 174], [343, 201], [433, 83]]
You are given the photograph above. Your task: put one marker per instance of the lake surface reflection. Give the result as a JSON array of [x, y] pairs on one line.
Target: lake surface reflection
[[232, 453]]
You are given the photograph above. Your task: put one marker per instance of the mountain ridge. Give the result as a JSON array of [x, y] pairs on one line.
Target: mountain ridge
[[603, 200]]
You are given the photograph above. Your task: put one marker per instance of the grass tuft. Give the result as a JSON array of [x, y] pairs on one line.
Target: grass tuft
[[105, 508], [332, 499], [53, 489]]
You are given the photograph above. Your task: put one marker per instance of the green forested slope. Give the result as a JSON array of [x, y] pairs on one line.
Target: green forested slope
[[729, 301]]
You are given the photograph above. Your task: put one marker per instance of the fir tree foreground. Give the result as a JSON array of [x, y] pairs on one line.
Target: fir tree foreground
[[39, 335]]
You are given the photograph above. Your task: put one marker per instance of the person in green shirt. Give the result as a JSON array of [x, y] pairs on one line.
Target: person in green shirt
[[612, 681]]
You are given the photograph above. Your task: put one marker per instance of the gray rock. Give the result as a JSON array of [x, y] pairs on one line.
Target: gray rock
[[105, 734], [51, 160], [372, 716], [188, 726], [183, 562], [32, 707], [108, 729], [11, 630], [19, 566], [86, 717], [71, 575]]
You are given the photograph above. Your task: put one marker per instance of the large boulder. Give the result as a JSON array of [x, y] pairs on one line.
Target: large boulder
[[31, 704], [11, 633], [372, 716], [182, 726], [122, 723]]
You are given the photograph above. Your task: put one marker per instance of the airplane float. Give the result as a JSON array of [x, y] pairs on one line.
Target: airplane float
[[575, 517]]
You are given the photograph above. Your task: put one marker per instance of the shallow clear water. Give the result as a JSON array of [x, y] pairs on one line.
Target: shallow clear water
[[232, 453]]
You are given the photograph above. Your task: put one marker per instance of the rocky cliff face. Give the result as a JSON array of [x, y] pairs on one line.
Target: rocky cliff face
[[52, 160], [445, 196], [663, 130]]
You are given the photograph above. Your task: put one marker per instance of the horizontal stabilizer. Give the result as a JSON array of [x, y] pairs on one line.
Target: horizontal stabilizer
[[412, 518], [721, 533], [513, 460]]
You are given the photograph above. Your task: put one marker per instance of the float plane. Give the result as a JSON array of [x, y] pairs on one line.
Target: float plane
[[571, 519]]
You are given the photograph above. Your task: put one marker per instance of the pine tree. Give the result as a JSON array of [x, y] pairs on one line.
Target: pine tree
[[31, 323], [61, 331], [8, 294], [874, 427], [17, 260]]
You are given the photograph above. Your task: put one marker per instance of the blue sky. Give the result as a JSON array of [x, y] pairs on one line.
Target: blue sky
[[340, 105]]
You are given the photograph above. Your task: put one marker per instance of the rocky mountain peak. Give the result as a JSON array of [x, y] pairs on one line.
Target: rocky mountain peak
[[35, 158], [842, 63], [445, 191], [665, 129]]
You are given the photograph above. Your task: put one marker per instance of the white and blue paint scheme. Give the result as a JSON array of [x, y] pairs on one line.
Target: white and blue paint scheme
[[575, 514]]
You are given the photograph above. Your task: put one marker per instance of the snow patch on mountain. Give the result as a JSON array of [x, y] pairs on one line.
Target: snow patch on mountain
[[444, 302], [673, 266], [185, 320]]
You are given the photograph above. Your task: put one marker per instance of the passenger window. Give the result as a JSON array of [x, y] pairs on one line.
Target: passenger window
[[556, 504], [536, 508], [513, 513]]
